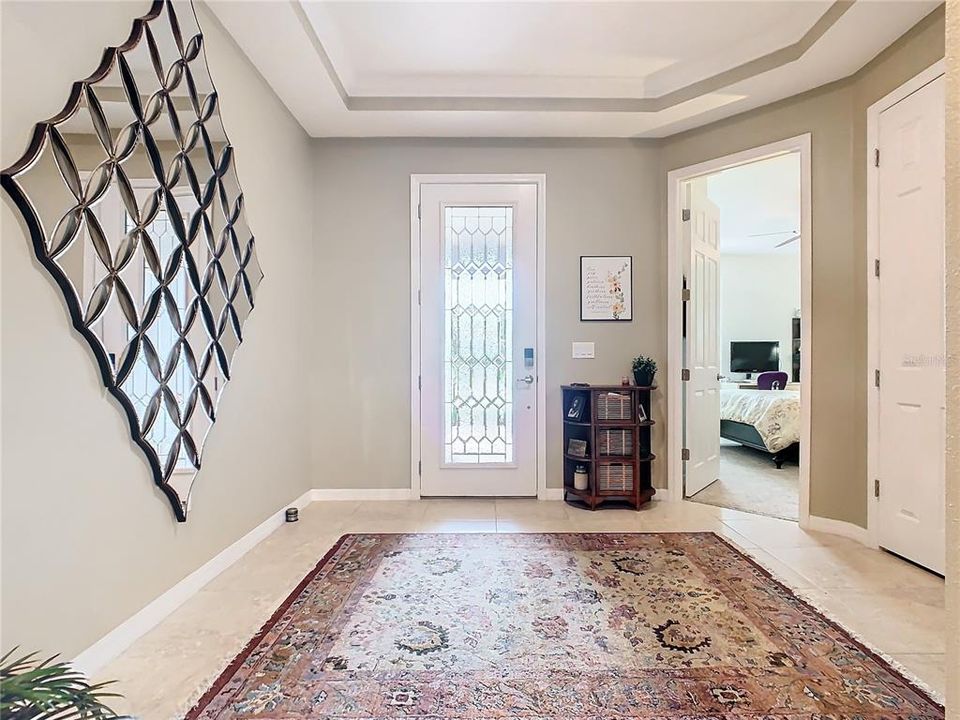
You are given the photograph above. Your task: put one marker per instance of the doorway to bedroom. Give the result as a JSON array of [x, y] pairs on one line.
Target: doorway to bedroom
[[740, 242]]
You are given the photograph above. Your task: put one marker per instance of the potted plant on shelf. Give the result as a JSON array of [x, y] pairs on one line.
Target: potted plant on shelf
[[644, 370], [34, 689]]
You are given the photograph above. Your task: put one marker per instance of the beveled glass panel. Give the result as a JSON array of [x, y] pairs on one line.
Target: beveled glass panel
[[478, 335]]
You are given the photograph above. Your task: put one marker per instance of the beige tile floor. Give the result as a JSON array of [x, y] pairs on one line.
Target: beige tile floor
[[892, 605]]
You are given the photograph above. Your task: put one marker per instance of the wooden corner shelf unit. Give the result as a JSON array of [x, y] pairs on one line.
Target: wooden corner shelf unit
[[613, 421]]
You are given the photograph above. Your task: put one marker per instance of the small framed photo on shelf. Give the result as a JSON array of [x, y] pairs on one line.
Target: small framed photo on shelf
[[577, 448], [606, 287], [575, 411], [641, 413]]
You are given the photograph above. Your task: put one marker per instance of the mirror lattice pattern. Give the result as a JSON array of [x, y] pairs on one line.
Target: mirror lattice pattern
[[132, 202], [478, 335]]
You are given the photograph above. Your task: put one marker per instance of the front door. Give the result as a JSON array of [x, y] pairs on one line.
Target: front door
[[702, 390], [912, 394], [478, 320]]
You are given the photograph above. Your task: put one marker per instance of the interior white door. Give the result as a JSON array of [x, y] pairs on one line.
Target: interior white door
[[912, 426], [478, 401], [702, 390]]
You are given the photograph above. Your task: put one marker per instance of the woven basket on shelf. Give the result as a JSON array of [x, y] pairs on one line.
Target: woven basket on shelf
[[615, 477], [615, 442], [614, 406]]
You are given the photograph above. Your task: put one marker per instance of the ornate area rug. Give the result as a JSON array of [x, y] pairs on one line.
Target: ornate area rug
[[556, 626]]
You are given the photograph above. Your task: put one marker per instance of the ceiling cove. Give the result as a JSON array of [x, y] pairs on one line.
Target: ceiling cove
[[509, 68], [769, 61]]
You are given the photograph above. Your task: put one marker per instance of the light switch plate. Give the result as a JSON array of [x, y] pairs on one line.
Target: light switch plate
[[583, 351]]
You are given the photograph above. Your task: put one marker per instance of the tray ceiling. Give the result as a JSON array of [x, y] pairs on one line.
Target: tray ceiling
[[566, 69]]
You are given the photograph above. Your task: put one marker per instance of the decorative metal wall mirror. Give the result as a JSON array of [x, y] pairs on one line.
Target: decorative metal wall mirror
[[131, 199]]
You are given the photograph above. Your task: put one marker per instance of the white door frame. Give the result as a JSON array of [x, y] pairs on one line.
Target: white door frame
[[675, 250], [416, 181], [873, 294]]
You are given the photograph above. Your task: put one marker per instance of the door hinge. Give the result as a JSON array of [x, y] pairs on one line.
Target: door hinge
[[419, 297], [419, 467], [876, 157], [685, 454], [418, 211], [876, 488], [685, 295], [685, 215], [685, 374], [876, 267], [419, 382], [876, 378]]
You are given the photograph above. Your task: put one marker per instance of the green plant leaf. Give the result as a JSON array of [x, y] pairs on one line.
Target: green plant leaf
[[34, 689]]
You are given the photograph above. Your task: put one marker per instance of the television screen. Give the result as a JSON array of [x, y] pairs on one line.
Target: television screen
[[751, 357]]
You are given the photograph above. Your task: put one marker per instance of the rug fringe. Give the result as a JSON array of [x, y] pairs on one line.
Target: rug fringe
[[908, 674]]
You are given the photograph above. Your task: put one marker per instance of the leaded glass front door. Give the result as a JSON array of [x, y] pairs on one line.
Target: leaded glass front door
[[478, 249]]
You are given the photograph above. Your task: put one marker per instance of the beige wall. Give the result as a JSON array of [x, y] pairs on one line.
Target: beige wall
[[953, 360], [602, 198], [835, 115], [87, 540]]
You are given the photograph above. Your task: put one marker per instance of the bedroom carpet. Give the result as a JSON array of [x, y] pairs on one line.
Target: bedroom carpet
[[553, 627], [749, 481]]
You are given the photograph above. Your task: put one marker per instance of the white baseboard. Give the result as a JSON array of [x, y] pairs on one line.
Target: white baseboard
[[366, 494], [121, 637], [839, 527]]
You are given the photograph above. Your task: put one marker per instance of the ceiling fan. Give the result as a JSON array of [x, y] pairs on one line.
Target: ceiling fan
[[794, 236]]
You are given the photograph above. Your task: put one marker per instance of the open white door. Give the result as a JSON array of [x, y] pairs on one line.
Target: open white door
[[702, 388], [912, 380]]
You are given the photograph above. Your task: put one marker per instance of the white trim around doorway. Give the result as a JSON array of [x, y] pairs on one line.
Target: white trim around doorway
[[675, 178], [416, 181], [873, 298]]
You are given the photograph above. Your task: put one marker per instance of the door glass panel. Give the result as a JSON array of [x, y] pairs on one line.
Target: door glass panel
[[478, 335]]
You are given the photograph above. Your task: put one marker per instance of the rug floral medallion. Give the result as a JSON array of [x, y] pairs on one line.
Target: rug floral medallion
[[553, 626]]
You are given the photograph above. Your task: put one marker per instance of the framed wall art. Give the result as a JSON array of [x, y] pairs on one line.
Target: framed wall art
[[606, 287]]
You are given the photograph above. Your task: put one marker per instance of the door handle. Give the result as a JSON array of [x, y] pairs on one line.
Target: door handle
[[528, 379]]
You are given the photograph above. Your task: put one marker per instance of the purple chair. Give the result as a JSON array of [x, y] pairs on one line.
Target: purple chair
[[771, 381]]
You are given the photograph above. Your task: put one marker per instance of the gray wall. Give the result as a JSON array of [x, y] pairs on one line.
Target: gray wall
[[87, 540], [835, 115], [602, 199]]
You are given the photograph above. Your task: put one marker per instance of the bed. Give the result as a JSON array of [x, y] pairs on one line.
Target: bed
[[766, 420]]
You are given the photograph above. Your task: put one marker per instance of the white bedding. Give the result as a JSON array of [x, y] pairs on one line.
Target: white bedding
[[774, 413]]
